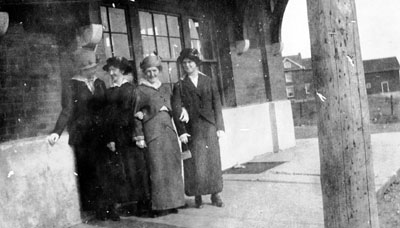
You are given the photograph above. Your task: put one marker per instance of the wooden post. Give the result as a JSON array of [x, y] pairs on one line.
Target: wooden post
[[347, 177]]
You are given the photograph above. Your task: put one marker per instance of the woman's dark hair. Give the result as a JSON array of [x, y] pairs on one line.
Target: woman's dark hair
[[119, 62], [190, 53]]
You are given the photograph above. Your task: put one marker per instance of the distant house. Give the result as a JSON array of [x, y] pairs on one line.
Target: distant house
[[381, 76], [298, 77]]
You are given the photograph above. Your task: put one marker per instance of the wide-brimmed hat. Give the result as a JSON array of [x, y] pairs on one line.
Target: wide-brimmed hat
[[190, 53], [151, 61], [119, 62], [84, 59]]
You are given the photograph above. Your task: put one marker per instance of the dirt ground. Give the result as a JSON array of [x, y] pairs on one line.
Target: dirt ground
[[389, 206], [389, 201]]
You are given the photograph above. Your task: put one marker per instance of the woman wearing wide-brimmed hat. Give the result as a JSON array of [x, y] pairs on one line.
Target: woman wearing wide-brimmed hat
[[198, 94], [158, 134], [124, 176], [82, 102]]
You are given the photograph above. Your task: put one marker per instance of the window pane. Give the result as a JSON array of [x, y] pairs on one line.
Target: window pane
[[194, 26], [163, 47], [104, 21], [175, 44], [160, 27], [149, 45], [196, 44], [163, 76], [107, 45], [173, 26], [173, 72], [117, 20], [205, 33], [146, 26], [121, 45]]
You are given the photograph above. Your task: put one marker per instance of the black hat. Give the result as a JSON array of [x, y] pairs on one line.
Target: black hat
[[190, 53], [119, 62]]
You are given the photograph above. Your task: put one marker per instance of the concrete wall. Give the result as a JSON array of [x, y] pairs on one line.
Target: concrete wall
[[37, 184], [249, 131]]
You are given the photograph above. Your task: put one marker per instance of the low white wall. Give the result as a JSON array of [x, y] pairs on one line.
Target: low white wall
[[249, 132], [37, 184]]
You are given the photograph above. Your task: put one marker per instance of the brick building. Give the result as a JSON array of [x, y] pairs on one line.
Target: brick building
[[240, 50], [381, 76]]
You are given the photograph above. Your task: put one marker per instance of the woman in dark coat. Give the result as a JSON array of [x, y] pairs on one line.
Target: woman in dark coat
[[124, 175], [82, 102], [158, 134], [198, 94]]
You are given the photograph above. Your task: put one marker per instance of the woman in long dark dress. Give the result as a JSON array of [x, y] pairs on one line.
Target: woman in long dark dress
[[124, 174], [198, 94], [158, 134], [82, 102]]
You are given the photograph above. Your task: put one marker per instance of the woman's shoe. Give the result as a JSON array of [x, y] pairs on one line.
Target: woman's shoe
[[173, 211], [101, 214], [113, 214], [198, 202], [216, 200]]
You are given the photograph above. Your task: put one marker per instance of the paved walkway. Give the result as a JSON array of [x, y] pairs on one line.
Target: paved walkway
[[288, 195]]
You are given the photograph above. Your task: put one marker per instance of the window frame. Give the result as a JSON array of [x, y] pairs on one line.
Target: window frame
[[287, 91], [288, 73], [128, 30], [387, 83], [287, 64], [307, 88]]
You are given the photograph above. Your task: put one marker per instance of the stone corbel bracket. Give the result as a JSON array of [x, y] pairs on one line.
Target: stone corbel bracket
[[89, 36], [4, 20]]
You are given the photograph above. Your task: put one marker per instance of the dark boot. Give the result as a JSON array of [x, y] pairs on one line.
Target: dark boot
[[198, 202], [216, 200], [113, 214]]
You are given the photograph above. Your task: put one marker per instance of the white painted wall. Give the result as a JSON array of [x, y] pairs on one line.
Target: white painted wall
[[248, 131]]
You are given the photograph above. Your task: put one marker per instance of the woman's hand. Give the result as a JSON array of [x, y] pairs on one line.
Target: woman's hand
[[184, 138], [184, 116], [220, 134], [111, 146], [53, 138], [139, 115], [141, 143]]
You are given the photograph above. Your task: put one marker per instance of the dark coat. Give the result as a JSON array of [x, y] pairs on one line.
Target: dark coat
[[163, 156], [202, 172], [81, 111], [123, 173], [81, 114]]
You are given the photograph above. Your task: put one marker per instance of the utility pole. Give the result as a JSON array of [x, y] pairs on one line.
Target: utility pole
[[347, 176]]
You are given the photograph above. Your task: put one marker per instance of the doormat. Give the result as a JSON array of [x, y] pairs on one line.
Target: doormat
[[252, 168]]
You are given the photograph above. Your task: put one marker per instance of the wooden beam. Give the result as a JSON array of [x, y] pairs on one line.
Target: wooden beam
[[347, 176]]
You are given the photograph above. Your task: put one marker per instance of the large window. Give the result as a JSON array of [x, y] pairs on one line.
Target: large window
[[200, 38], [290, 91], [115, 34], [288, 77], [161, 35]]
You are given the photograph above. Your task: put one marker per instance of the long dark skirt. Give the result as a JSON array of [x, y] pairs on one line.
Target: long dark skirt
[[88, 185], [202, 172], [164, 163], [124, 176]]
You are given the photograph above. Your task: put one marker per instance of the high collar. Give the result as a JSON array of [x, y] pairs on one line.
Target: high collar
[[124, 80], [83, 79], [156, 85]]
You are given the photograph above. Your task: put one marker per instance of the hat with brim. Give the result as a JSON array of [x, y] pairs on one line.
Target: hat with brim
[[85, 59], [190, 53]]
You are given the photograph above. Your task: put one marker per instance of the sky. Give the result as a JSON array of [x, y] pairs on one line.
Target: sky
[[378, 25]]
